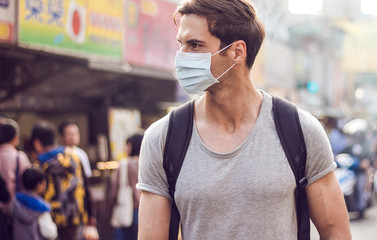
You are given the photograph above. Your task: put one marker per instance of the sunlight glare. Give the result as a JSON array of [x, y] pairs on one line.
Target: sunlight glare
[[311, 7], [369, 7]]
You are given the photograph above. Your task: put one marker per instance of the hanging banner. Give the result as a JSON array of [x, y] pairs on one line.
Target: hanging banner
[[74, 26], [123, 123], [150, 35], [7, 15]]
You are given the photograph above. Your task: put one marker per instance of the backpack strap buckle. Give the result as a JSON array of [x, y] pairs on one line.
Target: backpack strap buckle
[[303, 182]]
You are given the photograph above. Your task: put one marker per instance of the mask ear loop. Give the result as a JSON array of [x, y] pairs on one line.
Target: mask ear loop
[[225, 72], [222, 49], [230, 66]]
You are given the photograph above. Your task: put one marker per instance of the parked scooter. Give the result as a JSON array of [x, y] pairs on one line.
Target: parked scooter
[[354, 183], [354, 171]]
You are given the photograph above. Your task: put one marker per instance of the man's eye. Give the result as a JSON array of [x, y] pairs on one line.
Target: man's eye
[[195, 45]]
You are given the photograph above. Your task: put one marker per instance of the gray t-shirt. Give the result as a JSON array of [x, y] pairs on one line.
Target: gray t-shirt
[[247, 193]]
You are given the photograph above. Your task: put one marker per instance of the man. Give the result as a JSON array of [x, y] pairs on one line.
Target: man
[[12, 165], [67, 189], [9, 155], [235, 181], [70, 136]]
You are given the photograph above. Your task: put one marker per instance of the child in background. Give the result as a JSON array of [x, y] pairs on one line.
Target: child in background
[[31, 213]]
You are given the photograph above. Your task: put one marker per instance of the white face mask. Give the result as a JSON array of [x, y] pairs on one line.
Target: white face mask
[[194, 71]]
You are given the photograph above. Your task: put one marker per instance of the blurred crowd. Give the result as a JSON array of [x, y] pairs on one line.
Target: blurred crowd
[[45, 192]]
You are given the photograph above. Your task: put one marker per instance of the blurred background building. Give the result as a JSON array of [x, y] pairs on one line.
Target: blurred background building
[[110, 65], [320, 54]]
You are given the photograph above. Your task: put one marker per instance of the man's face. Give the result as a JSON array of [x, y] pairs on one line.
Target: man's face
[[71, 135], [194, 36]]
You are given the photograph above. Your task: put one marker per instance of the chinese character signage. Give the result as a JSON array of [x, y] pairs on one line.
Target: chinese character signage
[[150, 35], [7, 15], [74, 26]]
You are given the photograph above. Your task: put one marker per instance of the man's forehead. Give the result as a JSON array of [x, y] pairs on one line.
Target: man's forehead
[[194, 29]]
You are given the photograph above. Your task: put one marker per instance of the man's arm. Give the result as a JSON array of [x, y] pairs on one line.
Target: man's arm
[[327, 208], [154, 217]]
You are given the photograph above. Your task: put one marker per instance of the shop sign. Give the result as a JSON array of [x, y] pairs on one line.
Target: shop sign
[[150, 35], [73, 26], [7, 13]]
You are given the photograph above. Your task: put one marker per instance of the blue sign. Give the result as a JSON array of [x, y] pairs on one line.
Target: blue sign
[[313, 87]]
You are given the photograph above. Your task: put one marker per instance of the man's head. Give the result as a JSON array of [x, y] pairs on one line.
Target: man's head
[[133, 145], [34, 180], [43, 136], [9, 132], [229, 21], [69, 133]]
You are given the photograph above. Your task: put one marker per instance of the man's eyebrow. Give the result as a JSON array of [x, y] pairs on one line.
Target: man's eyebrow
[[195, 41], [191, 41]]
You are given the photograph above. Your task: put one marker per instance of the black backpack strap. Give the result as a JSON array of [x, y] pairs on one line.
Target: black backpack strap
[[292, 139], [177, 141]]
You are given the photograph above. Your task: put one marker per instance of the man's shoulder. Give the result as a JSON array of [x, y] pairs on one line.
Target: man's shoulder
[[154, 138], [308, 121], [158, 128], [310, 125]]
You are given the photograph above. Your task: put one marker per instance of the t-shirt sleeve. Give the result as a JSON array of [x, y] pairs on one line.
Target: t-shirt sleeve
[[320, 160], [152, 177]]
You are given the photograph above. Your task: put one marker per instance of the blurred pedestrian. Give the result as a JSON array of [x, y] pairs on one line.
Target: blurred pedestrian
[[4, 198], [67, 188], [31, 213], [133, 150], [12, 163], [70, 136], [338, 139]]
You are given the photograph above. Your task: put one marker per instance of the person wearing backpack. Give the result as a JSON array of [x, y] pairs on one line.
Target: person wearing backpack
[[235, 181], [67, 187]]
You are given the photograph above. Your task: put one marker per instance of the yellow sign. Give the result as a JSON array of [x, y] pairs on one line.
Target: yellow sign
[[5, 31], [92, 27]]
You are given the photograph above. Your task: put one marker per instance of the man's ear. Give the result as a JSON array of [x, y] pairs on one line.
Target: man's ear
[[239, 53]]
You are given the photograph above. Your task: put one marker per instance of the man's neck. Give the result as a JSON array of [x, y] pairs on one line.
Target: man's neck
[[230, 112], [234, 104]]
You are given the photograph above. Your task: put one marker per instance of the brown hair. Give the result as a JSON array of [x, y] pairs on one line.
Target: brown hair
[[229, 21]]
